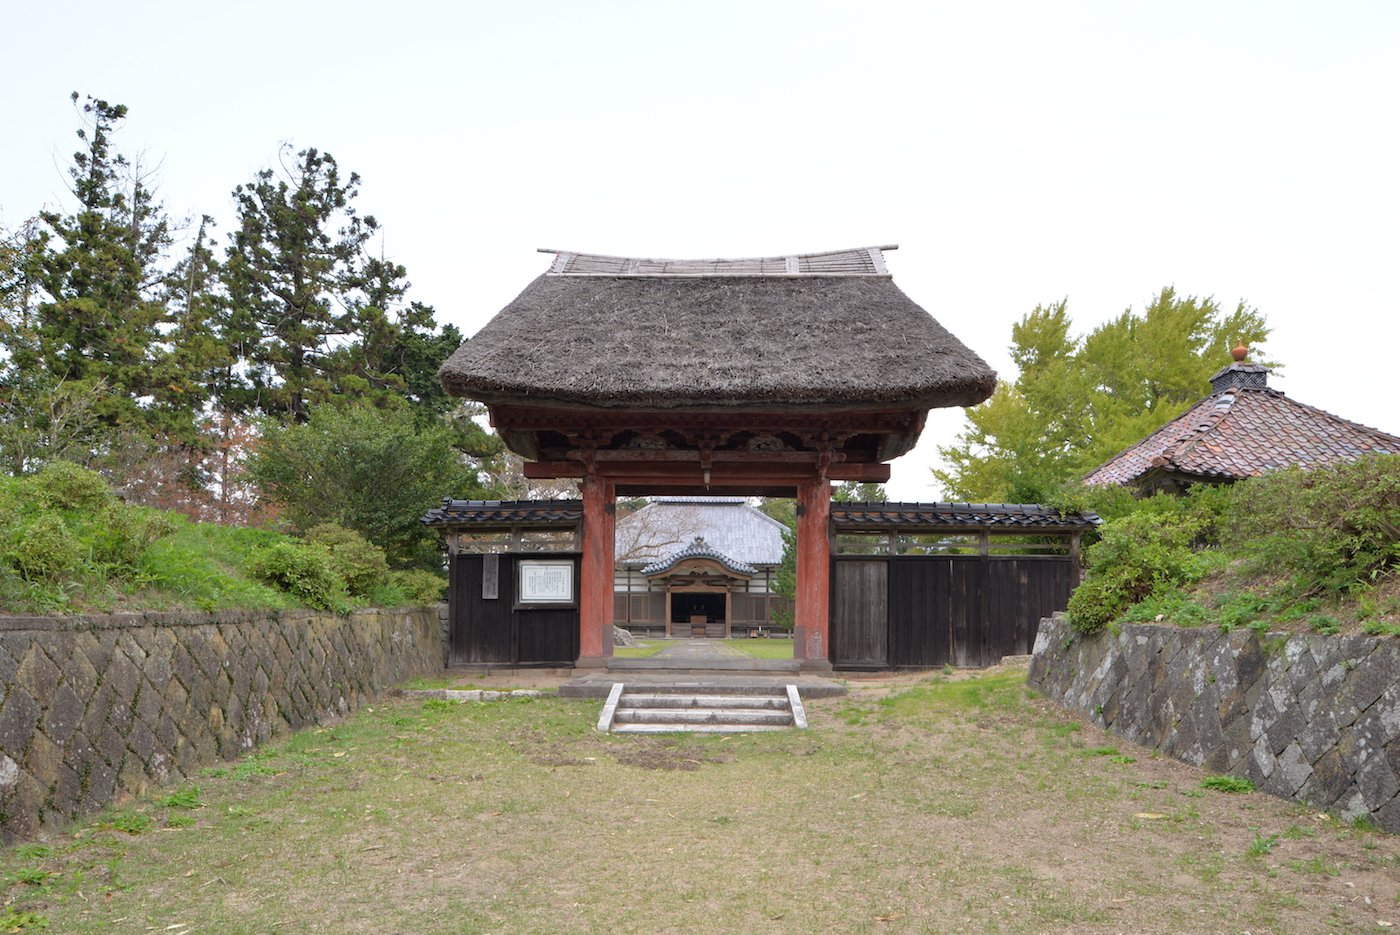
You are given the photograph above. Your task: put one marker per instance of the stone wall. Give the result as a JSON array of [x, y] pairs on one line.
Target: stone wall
[[96, 708], [1311, 718]]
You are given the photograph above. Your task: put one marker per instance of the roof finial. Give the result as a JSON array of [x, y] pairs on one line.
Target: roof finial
[[1240, 352]]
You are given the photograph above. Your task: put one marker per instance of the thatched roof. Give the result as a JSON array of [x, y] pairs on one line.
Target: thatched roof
[[830, 332]]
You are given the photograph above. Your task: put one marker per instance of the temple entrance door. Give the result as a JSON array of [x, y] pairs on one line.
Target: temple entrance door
[[702, 615]]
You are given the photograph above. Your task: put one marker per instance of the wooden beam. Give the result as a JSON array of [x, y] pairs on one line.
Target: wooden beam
[[860, 420], [721, 473], [694, 456]]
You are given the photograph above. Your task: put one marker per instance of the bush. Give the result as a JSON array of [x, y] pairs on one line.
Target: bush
[[46, 550], [306, 570], [419, 588], [1333, 530], [123, 534], [1137, 555], [66, 486], [361, 565]]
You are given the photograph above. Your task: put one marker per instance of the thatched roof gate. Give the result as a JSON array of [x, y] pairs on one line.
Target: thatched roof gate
[[770, 376]]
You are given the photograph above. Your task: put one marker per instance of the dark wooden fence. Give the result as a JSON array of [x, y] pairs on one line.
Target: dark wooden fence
[[931, 610], [489, 630]]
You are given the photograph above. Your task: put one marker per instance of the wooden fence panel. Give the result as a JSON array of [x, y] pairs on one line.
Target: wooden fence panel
[[859, 613], [964, 610], [920, 627]]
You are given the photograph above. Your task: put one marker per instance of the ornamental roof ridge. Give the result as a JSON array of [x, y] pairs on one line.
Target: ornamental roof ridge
[[698, 549]]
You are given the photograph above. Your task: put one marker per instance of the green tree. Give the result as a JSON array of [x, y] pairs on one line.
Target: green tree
[[375, 471], [198, 361], [19, 287], [398, 348], [854, 492], [1078, 400], [100, 273], [292, 271]]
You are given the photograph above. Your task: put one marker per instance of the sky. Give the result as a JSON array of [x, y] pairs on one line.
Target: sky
[[1018, 152]]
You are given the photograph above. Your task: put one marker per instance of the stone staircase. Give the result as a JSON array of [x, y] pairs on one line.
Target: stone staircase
[[657, 710]]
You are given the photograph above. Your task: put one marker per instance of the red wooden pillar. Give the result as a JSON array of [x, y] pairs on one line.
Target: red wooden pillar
[[595, 593], [813, 576]]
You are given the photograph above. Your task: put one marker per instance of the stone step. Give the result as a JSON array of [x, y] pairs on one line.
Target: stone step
[[695, 728], [702, 716], [656, 712], [670, 700]]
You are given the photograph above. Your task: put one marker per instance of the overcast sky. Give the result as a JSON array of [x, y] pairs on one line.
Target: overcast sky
[[1017, 152]]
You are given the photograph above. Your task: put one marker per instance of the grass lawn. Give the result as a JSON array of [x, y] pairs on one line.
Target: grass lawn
[[936, 806], [766, 648]]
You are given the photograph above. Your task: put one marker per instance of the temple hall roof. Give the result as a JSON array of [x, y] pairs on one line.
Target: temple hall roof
[[1243, 431], [698, 549], [727, 524]]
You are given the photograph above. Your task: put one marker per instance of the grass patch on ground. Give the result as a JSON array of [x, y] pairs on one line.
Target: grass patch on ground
[[952, 804], [765, 648], [642, 650]]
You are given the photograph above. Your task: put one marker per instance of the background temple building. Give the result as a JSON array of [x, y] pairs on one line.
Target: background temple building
[[1242, 429], [697, 566]]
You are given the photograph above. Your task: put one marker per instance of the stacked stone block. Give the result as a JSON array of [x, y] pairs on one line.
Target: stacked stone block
[[1311, 718], [97, 708]]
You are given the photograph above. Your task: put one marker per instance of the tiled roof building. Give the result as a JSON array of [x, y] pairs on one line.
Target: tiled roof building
[[1242, 429], [728, 525]]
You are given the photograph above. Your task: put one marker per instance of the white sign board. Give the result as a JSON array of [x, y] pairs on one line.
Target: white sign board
[[546, 582]]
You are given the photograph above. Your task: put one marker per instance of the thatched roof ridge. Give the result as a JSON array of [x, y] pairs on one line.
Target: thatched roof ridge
[[714, 343], [860, 261]]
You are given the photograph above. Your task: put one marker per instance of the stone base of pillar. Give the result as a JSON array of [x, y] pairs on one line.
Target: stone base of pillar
[[819, 666], [799, 642], [591, 662]]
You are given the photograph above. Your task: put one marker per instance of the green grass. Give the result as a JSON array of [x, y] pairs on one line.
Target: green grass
[[765, 648], [1227, 784], [204, 565], [67, 546], [642, 650], [955, 804]]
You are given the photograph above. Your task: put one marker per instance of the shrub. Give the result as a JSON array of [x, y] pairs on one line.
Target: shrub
[[123, 533], [66, 486], [46, 550], [305, 569], [420, 588], [1332, 529], [360, 564], [1137, 555]]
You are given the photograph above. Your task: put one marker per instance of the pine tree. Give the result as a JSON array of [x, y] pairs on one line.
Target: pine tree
[[100, 271], [292, 272]]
